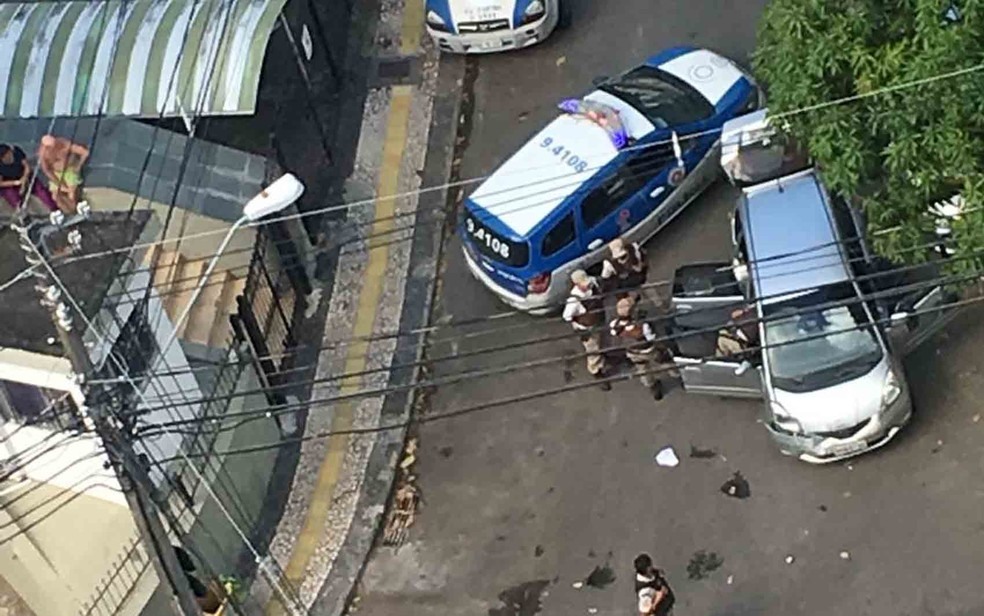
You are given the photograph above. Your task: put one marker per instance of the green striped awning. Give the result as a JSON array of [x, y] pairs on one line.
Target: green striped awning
[[133, 57]]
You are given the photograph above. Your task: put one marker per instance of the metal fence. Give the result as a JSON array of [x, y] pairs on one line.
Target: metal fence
[[115, 589], [267, 313]]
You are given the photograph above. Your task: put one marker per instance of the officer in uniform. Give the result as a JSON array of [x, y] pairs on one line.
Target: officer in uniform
[[585, 311], [739, 336], [641, 348], [625, 271]]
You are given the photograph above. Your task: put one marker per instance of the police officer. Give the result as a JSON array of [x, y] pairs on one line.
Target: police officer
[[641, 347], [626, 269], [739, 335], [585, 311]]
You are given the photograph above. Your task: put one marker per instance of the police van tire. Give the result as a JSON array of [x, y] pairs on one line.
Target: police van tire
[[565, 16]]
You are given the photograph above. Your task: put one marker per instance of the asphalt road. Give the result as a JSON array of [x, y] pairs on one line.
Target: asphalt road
[[521, 501]]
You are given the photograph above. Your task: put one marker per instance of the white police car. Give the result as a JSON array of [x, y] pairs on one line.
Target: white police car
[[483, 26], [621, 161]]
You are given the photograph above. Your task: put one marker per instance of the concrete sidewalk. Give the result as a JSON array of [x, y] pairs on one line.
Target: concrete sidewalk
[[383, 282]]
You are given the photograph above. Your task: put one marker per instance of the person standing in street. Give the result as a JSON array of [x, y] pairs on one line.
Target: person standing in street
[[653, 593], [641, 348], [585, 311], [625, 270]]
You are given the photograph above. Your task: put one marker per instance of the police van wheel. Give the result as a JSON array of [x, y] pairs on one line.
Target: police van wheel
[[565, 17]]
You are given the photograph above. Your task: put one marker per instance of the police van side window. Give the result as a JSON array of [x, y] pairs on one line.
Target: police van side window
[[560, 236], [624, 183]]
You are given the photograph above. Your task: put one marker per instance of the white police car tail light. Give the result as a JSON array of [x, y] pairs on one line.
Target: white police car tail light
[[539, 283], [534, 11]]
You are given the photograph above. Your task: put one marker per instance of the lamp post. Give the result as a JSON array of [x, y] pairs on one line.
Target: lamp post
[[276, 197]]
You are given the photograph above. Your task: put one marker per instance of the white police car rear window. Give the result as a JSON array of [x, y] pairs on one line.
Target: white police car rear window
[[494, 245]]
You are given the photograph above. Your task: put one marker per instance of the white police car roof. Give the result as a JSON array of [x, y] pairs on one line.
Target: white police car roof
[[529, 186], [534, 181]]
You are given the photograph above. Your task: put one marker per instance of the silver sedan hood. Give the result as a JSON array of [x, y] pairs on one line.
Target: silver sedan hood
[[839, 406]]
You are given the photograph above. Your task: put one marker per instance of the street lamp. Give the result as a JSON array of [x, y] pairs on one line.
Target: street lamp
[[276, 197]]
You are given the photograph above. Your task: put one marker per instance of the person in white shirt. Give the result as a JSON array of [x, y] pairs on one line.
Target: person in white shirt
[[585, 311], [653, 593]]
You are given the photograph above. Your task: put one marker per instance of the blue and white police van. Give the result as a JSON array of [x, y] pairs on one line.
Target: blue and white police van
[[621, 161], [484, 26]]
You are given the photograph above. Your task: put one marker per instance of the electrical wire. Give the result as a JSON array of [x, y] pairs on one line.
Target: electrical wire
[[512, 367], [570, 334], [543, 393], [103, 339], [459, 183], [761, 263], [40, 418]]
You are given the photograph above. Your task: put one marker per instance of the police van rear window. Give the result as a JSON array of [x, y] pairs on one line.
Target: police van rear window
[[494, 245]]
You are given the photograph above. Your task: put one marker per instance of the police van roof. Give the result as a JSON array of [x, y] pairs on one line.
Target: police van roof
[[537, 179], [789, 231]]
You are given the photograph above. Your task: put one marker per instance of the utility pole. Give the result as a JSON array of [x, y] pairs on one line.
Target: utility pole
[[133, 476]]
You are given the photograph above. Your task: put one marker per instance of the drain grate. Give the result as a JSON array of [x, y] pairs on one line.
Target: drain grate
[[396, 70]]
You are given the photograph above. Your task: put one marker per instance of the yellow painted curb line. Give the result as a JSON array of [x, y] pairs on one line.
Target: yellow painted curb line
[[397, 125]]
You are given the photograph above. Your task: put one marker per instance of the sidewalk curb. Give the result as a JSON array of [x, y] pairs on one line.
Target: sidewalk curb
[[335, 594]]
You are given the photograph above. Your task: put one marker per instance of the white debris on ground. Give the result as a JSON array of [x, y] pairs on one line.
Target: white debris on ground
[[667, 457]]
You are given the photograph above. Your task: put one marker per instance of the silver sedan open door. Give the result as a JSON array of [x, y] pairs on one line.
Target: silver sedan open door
[[704, 295]]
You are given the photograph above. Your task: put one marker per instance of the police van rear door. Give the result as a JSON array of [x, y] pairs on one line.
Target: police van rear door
[[704, 294]]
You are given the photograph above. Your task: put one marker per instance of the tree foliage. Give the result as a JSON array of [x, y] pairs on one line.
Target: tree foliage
[[897, 149]]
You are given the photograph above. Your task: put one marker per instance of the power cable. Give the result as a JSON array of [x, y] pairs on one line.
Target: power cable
[[513, 345], [367, 202], [763, 263], [467, 410], [570, 334], [713, 329], [274, 581]]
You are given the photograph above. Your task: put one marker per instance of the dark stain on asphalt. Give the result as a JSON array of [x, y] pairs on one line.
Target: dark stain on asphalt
[[823, 508], [538, 551], [591, 554], [446, 451], [737, 486], [521, 600], [600, 576], [500, 537], [702, 563], [704, 454]]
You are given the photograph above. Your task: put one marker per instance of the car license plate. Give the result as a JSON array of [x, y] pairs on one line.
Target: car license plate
[[490, 44], [845, 449]]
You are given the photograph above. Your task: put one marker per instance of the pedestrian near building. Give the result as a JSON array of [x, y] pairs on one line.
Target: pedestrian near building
[[15, 174], [653, 593], [641, 348], [625, 270], [585, 311], [62, 160]]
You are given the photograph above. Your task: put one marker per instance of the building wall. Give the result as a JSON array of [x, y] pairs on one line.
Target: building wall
[[62, 520], [241, 481], [183, 222]]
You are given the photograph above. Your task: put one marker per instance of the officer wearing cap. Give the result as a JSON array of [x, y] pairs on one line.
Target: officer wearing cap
[[585, 311], [625, 270], [640, 343]]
